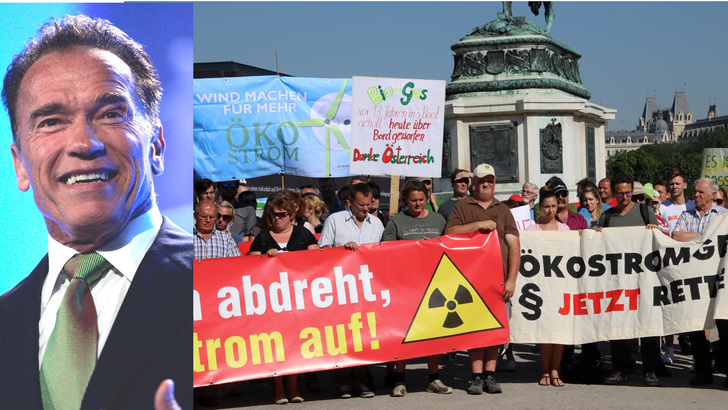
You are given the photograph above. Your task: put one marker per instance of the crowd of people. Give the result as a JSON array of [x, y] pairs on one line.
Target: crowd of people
[[351, 216]]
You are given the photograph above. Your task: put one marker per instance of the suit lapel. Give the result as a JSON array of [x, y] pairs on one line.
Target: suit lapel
[[19, 316], [149, 315]]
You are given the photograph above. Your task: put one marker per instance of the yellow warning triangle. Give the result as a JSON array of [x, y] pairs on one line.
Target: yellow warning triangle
[[450, 307]]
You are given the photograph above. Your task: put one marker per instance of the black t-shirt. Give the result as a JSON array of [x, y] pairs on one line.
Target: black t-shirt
[[301, 238]]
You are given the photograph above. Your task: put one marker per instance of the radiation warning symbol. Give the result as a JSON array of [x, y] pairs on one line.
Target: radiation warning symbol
[[450, 307]]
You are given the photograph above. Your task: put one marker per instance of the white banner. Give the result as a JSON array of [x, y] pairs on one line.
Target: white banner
[[396, 126], [621, 283]]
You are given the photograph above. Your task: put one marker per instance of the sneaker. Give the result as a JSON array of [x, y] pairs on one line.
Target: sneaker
[[398, 391], [669, 356], [365, 392], [344, 392], [492, 386], [616, 377], [652, 380], [439, 387], [509, 365], [692, 368], [476, 386]]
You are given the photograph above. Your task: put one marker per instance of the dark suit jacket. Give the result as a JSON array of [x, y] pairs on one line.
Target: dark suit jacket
[[150, 340]]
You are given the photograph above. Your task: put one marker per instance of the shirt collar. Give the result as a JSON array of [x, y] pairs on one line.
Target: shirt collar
[[350, 215], [124, 252]]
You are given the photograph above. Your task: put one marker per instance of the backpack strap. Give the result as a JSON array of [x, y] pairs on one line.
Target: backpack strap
[[645, 214]]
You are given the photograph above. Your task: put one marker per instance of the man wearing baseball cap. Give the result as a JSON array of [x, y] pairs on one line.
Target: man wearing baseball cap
[[480, 211]]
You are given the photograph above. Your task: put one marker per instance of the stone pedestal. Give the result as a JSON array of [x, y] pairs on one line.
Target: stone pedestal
[[516, 101]]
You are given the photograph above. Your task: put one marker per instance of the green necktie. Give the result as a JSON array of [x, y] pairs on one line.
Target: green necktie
[[70, 355]]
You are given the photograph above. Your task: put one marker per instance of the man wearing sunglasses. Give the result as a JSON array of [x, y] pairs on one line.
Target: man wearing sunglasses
[[225, 217], [460, 181], [208, 241], [563, 213]]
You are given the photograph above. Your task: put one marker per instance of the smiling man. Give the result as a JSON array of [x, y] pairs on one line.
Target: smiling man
[[83, 104], [481, 211]]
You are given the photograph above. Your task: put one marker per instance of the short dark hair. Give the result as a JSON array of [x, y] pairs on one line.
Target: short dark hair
[[621, 179], [374, 188], [675, 172], [202, 185], [83, 31], [359, 188], [455, 173]]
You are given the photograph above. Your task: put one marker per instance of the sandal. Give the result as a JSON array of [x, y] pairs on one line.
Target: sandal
[[556, 382], [548, 380]]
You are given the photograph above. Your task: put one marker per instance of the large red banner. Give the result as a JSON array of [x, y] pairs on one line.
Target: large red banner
[[303, 311]]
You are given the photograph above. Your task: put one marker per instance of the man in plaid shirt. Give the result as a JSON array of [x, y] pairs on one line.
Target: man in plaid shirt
[[689, 225], [209, 242]]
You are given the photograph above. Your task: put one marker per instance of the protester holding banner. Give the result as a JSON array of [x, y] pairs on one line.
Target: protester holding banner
[[481, 211], [628, 213], [350, 228], [688, 226], [283, 236], [551, 354], [416, 222]]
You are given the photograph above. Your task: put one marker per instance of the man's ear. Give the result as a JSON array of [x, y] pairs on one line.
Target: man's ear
[[21, 172], [156, 152]]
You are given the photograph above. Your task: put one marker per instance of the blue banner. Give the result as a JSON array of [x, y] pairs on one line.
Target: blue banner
[[254, 126]]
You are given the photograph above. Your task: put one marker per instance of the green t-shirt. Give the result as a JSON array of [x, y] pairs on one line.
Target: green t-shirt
[[404, 226]]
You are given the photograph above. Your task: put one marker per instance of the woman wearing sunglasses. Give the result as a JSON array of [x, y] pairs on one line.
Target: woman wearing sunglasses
[[283, 235]]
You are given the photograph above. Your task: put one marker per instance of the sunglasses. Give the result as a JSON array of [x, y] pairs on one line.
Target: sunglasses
[[279, 215], [226, 218], [228, 185], [428, 182], [719, 202], [462, 181], [563, 194]]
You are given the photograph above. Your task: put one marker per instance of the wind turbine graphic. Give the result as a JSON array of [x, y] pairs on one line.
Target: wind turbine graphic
[[328, 115]]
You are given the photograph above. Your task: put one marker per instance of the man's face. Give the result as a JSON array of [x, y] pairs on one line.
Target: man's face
[[562, 199], [375, 202], [209, 194], [86, 147], [623, 193], [228, 189], [206, 218], [676, 187], [224, 216], [328, 189], [662, 190], [605, 190], [702, 196], [484, 188], [528, 194], [359, 205], [460, 185]]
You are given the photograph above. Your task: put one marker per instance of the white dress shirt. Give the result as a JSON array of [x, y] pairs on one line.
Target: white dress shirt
[[124, 252]]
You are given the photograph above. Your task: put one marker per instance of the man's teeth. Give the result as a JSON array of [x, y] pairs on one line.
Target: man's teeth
[[92, 177]]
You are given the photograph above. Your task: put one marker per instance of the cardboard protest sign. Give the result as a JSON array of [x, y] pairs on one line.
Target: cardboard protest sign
[[316, 310], [397, 126], [715, 165]]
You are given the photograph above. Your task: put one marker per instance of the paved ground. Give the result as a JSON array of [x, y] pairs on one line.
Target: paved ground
[[520, 390]]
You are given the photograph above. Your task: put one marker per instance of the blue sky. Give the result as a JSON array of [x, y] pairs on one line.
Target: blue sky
[[629, 49]]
